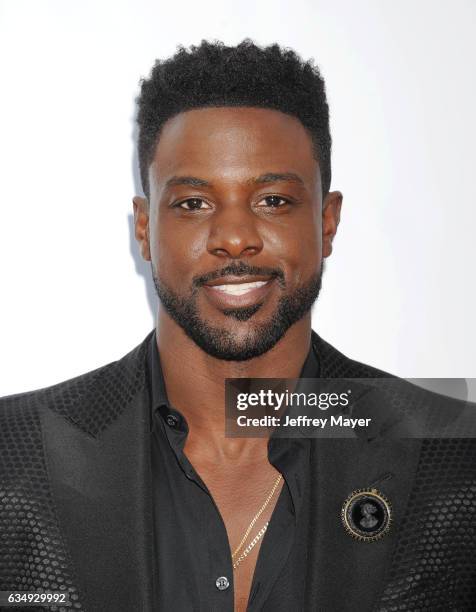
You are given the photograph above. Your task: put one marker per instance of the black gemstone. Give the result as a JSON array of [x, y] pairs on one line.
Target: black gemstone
[[367, 515]]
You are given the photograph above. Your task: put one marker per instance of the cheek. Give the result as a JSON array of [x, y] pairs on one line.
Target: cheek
[[299, 249], [311, 244], [311, 240], [176, 250]]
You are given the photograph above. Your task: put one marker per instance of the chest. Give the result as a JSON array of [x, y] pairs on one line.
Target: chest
[[246, 500]]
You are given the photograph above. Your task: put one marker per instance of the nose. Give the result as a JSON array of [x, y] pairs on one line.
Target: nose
[[234, 233]]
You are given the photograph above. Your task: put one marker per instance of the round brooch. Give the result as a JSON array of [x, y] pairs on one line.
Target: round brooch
[[366, 515]]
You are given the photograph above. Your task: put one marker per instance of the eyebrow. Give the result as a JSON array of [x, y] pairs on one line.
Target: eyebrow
[[273, 177], [187, 180], [269, 177]]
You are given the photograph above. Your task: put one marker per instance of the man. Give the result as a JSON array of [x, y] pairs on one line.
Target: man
[[121, 487]]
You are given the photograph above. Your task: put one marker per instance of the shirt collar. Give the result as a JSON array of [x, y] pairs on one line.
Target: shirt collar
[[288, 455], [157, 382], [159, 399], [158, 392]]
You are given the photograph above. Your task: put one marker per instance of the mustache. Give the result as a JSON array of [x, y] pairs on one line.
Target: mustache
[[240, 269]]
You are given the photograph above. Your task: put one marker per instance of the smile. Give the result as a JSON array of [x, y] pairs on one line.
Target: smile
[[239, 288], [238, 294]]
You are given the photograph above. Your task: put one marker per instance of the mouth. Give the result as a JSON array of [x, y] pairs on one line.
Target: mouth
[[233, 292]]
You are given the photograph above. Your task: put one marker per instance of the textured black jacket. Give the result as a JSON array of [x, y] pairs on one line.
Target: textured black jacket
[[75, 502]]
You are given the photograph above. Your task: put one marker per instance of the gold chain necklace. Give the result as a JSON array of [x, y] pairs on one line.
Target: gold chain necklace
[[259, 535]]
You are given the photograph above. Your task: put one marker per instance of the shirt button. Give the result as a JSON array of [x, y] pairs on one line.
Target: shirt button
[[172, 420], [222, 583]]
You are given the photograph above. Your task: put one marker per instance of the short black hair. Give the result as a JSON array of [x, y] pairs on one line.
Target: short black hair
[[213, 75]]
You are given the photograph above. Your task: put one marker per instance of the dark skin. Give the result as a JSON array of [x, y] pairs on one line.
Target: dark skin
[[233, 217]]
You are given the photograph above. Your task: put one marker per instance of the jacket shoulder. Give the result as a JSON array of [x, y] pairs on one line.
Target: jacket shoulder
[[411, 410], [91, 401]]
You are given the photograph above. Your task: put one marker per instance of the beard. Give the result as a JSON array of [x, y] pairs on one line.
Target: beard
[[220, 342]]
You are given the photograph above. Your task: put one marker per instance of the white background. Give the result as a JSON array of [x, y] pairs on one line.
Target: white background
[[398, 292]]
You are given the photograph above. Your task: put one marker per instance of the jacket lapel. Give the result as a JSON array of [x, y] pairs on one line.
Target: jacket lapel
[[349, 574], [101, 486]]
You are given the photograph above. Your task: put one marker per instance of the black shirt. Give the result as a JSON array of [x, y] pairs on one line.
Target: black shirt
[[193, 564]]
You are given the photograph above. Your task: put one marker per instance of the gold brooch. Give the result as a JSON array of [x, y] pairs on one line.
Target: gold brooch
[[366, 515]]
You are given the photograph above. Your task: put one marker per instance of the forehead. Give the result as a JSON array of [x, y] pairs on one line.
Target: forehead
[[233, 143]]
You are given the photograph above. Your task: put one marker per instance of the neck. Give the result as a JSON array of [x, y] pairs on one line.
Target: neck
[[195, 383]]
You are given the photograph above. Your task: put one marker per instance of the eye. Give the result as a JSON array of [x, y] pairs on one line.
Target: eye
[[192, 204], [275, 201]]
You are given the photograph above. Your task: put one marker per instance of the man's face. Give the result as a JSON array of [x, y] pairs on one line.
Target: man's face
[[235, 227]]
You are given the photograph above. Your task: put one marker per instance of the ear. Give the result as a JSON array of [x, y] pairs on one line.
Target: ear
[[330, 220], [141, 225]]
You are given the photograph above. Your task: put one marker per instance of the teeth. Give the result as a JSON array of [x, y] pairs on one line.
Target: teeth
[[240, 288]]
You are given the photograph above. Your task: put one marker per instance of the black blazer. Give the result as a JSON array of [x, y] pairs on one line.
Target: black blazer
[[75, 501]]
